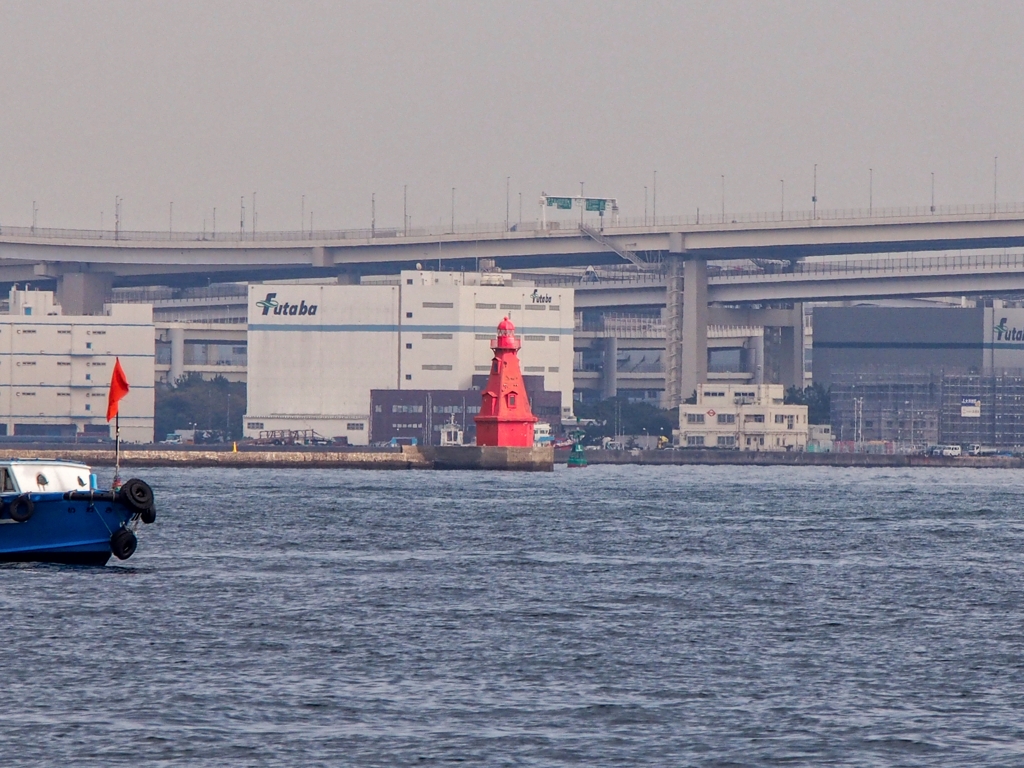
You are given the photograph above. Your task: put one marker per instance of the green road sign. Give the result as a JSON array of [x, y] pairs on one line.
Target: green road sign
[[565, 203], [596, 205]]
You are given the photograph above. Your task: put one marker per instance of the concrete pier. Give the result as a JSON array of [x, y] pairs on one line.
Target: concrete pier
[[492, 457], [409, 457]]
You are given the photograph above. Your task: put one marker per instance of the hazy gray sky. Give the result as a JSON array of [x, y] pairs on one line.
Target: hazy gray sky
[[203, 102]]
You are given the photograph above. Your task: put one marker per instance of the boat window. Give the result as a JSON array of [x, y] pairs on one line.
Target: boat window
[[6, 481], [41, 480]]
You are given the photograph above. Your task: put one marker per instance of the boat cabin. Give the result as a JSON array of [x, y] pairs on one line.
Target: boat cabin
[[43, 476]]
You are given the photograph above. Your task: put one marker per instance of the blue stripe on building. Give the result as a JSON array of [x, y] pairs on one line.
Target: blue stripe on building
[[387, 328]]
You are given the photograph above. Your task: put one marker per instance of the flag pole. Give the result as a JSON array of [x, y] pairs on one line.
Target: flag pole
[[117, 451]]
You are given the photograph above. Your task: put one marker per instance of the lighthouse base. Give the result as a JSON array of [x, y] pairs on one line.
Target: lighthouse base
[[492, 457]]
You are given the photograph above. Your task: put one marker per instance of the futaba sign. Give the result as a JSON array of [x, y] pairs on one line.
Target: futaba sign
[[540, 298], [1004, 332], [271, 304]]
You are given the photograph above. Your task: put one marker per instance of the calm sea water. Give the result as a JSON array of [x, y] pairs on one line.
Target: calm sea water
[[610, 616]]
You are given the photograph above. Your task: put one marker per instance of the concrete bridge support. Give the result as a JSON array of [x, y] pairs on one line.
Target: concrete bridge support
[[177, 336], [686, 322], [609, 375], [695, 326], [791, 367], [673, 332]]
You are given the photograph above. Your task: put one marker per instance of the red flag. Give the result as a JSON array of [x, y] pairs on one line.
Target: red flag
[[118, 389]]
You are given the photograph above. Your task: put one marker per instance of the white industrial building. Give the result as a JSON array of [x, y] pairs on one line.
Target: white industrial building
[[316, 351], [746, 417], [55, 369]]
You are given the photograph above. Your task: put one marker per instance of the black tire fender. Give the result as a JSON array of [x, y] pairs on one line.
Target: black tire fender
[[22, 508], [136, 495], [123, 543]]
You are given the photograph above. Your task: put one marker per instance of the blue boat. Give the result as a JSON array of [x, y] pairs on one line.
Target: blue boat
[[51, 511]]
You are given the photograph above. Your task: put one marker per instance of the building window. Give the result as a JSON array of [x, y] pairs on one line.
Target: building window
[[553, 338], [355, 426], [486, 306], [88, 344], [552, 369], [512, 306], [756, 418], [512, 400], [727, 441], [408, 345], [254, 425], [435, 336], [408, 281], [780, 418], [408, 314], [408, 377], [88, 406], [694, 440], [407, 409], [727, 418], [438, 305], [695, 418], [436, 367], [88, 377]]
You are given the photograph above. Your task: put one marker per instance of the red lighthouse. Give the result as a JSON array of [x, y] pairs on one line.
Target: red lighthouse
[[505, 417]]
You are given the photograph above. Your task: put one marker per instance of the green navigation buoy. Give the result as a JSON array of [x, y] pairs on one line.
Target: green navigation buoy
[[577, 457]]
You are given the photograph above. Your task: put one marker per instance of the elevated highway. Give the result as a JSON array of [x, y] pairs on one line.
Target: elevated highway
[[191, 258], [852, 279]]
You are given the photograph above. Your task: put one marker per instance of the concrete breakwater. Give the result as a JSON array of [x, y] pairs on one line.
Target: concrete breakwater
[[487, 458], [782, 458], [408, 457]]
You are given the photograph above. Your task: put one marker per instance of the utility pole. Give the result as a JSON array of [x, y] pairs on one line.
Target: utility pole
[[723, 198], [654, 206], [814, 194]]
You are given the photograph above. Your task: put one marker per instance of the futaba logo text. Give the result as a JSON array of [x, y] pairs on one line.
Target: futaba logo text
[[271, 303], [539, 298], [1004, 333]]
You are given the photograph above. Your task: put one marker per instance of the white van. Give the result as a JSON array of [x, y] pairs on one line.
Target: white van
[[951, 450]]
